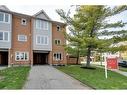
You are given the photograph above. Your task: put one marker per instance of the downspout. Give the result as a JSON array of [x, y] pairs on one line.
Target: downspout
[[31, 55]]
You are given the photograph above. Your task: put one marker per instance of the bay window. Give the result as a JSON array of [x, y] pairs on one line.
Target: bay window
[[41, 40], [4, 17], [40, 24], [4, 36]]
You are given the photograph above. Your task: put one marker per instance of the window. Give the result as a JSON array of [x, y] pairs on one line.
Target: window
[[38, 39], [57, 56], [4, 36], [41, 24], [38, 24], [21, 56], [4, 17], [58, 28], [1, 17], [22, 38], [23, 21], [1, 35], [41, 40], [44, 25], [57, 42]]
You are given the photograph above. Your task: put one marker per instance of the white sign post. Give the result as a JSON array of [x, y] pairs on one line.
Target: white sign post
[[106, 74]]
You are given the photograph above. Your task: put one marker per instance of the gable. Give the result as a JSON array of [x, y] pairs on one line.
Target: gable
[[42, 15], [3, 7]]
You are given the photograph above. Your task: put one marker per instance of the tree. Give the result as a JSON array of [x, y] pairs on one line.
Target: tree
[[90, 22]]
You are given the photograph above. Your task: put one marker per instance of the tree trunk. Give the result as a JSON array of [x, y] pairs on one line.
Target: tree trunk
[[88, 57], [101, 59], [77, 56], [77, 60]]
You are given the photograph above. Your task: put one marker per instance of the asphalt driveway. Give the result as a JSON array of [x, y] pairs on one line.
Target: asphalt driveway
[[47, 77]]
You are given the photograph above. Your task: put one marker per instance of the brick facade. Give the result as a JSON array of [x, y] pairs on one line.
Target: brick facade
[[58, 48], [20, 46], [27, 46]]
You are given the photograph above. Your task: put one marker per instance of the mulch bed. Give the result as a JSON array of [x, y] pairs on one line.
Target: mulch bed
[[85, 67]]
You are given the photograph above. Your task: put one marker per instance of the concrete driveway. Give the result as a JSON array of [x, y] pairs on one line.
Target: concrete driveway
[[47, 77], [3, 67]]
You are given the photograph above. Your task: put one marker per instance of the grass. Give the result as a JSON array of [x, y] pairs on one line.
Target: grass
[[95, 78], [13, 77], [120, 68]]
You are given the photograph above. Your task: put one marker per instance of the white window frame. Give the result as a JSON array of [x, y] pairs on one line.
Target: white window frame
[[4, 18], [40, 24], [57, 41], [41, 39], [23, 22], [4, 36], [20, 56], [58, 59], [25, 36], [45, 25]]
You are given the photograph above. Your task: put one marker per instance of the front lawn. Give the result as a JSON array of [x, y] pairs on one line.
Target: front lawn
[[95, 78], [13, 77]]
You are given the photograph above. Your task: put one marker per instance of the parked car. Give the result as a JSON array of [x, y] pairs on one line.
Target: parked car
[[122, 63]]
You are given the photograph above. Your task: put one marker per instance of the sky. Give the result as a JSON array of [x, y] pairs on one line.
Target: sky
[[33, 9], [50, 6], [51, 11]]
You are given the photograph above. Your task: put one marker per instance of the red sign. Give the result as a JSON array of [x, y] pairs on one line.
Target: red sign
[[112, 63]]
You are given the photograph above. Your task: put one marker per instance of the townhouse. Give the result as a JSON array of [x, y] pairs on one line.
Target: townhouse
[[30, 40]]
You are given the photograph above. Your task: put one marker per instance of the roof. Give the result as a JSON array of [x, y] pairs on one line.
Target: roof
[[42, 11], [15, 13], [61, 23], [119, 44], [5, 9]]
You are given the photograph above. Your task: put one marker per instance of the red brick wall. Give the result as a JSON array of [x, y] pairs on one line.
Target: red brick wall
[[58, 48], [18, 28], [72, 60]]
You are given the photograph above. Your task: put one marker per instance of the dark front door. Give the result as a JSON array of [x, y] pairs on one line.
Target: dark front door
[[3, 58], [40, 58]]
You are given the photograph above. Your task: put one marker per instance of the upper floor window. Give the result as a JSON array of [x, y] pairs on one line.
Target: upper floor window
[[22, 38], [57, 42], [44, 25], [41, 24], [21, 56], [23, 21], [38, 24], [4, 17], [58, 28], [57, 56], [41, 40], [4, 36]]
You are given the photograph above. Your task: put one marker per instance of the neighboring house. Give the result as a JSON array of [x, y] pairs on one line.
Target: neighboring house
[[30, 40]]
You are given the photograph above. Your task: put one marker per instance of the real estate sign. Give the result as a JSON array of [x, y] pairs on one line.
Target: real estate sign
[[112, 63]]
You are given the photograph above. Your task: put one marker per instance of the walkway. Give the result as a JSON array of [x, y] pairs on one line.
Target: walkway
[[3, 67], [47, 77], [118, 71], [121, 72]]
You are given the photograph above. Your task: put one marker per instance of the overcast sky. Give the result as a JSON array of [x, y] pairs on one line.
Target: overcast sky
[[33, 9]]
